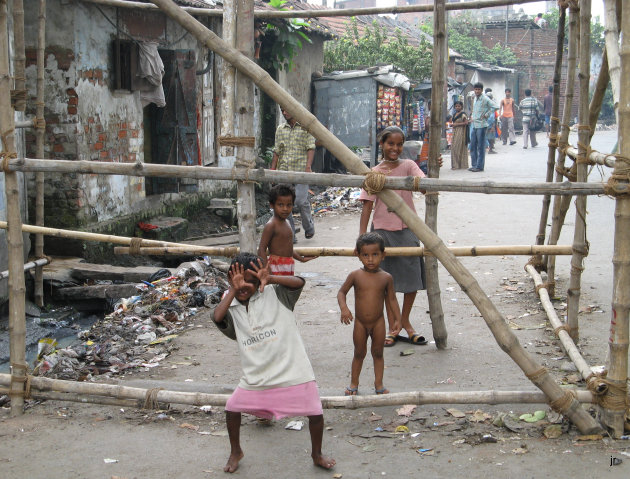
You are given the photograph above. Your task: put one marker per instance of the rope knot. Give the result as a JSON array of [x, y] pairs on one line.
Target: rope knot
[[374, 182]]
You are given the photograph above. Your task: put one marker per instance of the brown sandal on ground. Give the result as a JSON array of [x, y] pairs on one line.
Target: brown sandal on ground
[[390, 340]]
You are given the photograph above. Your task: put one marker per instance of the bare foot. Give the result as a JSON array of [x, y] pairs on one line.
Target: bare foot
[[323, 461], [232, 464]]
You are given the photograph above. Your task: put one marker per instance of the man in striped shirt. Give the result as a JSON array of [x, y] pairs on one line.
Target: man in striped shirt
[[530, 107], [294, 150]]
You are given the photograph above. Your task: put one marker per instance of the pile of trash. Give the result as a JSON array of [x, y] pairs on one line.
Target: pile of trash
[[335, 200], [139, 330]]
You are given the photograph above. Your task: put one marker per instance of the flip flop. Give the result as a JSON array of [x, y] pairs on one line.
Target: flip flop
[[381, 391], [351, 391], [390, 340], [415, 338]]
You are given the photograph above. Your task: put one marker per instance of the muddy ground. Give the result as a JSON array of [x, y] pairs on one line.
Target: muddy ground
[[78, 440]]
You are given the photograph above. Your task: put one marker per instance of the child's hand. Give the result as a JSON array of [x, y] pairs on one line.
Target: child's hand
[[397, 327], [262, 273], [346, 316], [305, 259], [237, 276]]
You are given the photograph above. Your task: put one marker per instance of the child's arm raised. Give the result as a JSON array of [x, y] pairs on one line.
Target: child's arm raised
[[346, 314], [262, 273], [237, 279], [392, 307]]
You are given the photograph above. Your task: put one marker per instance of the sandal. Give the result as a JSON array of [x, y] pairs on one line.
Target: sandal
[[390, 340], [351, 391], [381, 391], [415, 338]]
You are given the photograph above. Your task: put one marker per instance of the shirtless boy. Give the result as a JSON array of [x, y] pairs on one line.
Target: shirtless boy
[[373, 289], [277, 236]]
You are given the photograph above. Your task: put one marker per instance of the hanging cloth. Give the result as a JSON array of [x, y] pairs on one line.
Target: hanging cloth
[[150, 73]]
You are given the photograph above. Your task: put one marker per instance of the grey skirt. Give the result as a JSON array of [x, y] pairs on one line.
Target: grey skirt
[[408, 271]]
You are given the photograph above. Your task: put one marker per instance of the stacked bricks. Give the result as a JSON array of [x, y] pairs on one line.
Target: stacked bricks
[[120, 143]]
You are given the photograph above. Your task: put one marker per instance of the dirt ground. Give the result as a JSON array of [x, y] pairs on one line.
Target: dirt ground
[[79, 440]]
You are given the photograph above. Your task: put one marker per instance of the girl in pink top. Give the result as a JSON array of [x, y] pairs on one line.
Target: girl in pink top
[[407, 271]]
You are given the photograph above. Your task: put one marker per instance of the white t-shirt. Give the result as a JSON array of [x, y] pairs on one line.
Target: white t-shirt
[[271, 348]]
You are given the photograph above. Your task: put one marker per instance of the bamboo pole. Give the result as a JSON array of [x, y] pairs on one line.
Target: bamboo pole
[[84, 391], [553, 133], [612, 16], [613, 412], [559, 330], [27, 266], [561, 205], [244, 117], [438, 79], [340, 251], [595, 157], [262, 175], [229, 75], [19, 57], [17, 324], [349, 12], [559, 399], [39, 147], [580, 243], [595, 108]]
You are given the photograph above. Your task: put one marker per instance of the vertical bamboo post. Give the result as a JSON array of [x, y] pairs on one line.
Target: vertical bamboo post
[[614, 410], [431, 199], [228, 85], [245, 203], [40, 131], [19, 60], [612, 16], [560, 400], [580, 243], [553, 133], [561, 203], [17, 320]]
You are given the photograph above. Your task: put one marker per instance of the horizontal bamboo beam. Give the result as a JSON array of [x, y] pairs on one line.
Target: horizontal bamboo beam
[[262, 175], [559, 328], [212, 12], [83, 391], [595, 156], [27, 266], [524, 250], [24, 124]]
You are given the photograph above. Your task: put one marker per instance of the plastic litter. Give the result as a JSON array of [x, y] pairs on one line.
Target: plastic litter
[[295, 425]]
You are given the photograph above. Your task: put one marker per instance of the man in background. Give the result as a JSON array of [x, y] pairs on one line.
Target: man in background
[[506, 112]]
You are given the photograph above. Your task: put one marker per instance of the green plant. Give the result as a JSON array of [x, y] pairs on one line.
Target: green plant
[[355, 51], [288, 39], [266, 155]]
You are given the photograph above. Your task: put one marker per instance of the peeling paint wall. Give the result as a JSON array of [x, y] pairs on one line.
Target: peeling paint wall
[[298, 81], [87, 119]]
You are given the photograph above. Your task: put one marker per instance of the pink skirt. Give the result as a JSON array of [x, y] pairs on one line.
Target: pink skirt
[[299, 400]]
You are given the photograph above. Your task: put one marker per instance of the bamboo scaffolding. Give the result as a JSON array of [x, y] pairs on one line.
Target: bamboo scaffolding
[[559, 399], [561, 205], [24, 124], [440, 52], [614, 411], [595, 157], [229, 75], [612, 19], [19, 56], [244, 118], [27, 266], [349, 12], [262, 175], [39, 149], [340, 251], [86, 392], [17, 289], [595, 108], [559, 330], [553, 133], [580, 243]]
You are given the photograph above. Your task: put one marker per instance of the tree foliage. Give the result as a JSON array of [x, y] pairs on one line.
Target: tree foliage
[[597, 29], [461, 38], [355, 51]]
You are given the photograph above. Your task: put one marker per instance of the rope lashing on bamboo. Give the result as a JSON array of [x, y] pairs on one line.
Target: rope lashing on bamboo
[[18, 96], [39, 123], [247, 165], [134, 246], [563, 3], [566, 172], [536, 375], [621, 175], [563, 403], [19, 379], [6, 155], [150, 400], [536, 262], [541, 286], [585, 158], [553, 140], [237, 141], [374, 182], [607, 393], [563, 327]]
